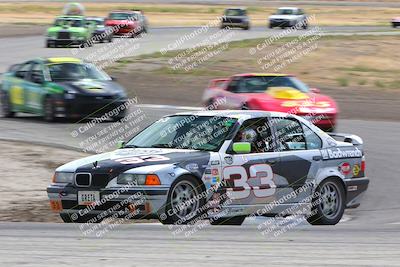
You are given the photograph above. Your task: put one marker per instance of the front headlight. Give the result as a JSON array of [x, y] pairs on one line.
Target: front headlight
[[138, 179], [63, 177]]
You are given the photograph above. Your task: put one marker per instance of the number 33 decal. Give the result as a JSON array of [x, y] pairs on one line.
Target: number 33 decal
[[261, 172]]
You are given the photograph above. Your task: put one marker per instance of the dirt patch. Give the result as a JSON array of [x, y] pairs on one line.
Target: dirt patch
[[27, 170], [361, 73]]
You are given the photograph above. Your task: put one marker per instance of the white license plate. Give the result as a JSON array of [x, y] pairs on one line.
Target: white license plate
[[88, 197]]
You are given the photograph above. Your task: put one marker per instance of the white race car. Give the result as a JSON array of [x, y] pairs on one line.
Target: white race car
[[288, 17], [219, 165]]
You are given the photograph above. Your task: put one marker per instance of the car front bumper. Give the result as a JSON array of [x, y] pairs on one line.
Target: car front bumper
[[139, 202], [81, 106], [281, 23], [65, 42]]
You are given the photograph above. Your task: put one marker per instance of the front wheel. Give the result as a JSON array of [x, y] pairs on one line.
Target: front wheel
[[184, 201], [328, 203], [236, 220]]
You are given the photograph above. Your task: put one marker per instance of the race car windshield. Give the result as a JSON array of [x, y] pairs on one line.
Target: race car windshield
[[69, 22], [235, 12], [75, 71], [259, 84], [122, 16], [185, 132], [285, 12], [98, 22]]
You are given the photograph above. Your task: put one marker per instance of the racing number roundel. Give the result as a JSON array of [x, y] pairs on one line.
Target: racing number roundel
[[240, 179]]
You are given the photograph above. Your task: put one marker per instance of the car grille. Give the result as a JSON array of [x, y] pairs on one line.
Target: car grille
[[83, 179], [63, 35], [232, 20], [100, 179]]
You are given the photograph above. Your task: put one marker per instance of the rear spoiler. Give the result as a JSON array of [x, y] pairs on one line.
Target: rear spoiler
[[217, 82], [348, 138]]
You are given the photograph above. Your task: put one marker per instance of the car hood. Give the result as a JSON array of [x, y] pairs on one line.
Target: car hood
[[93, 87], [286, 99], [283, 17], [121, 160]]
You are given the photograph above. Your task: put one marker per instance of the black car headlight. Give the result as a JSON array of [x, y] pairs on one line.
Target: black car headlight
[[63, 177]]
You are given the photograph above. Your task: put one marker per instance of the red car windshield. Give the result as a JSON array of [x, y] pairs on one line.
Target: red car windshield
[[259, 84], [122, 16]]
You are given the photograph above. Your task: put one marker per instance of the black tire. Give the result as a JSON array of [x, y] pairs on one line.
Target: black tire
[[283, 27], [6, 106], [328, 204], [236, 220], [246, 28], [270, 26], [48, 45], [195, 188], [305, 26], [48, 110], [110, 39]]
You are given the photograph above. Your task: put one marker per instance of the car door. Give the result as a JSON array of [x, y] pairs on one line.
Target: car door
[[300, 156], [18, 86], [34, 92], [249, 177], [233, 99]]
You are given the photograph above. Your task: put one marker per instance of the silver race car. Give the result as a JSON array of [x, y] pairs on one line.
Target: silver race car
[[217, 165]]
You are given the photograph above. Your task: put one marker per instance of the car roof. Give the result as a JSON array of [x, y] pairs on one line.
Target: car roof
[[70, 17], [289, 7], [124, 11], [262, 74], [236, 113], [62, 60], [94, 18], [241, 8]]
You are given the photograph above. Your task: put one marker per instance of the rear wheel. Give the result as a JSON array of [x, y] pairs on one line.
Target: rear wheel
[[184, 201], [236, 220], [6, 107], [328, 203]]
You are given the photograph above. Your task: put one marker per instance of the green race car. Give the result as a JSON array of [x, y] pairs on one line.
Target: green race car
[[61, 88], [70, 30]]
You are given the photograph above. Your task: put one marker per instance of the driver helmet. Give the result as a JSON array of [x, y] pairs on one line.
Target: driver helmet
[[248, 135]]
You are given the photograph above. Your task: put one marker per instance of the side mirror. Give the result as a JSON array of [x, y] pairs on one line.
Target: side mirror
[[241, 147], [120, 144], [315, 90]]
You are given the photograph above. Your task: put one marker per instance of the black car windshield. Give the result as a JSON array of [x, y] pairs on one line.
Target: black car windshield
[[185, 132], [122, 16], [283, 11], [258, 84], [68, 22], [235, 12], [75, 71], [98, 22]]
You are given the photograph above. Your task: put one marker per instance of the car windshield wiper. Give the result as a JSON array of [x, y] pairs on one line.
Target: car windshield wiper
[[162, 146], [132, 146]]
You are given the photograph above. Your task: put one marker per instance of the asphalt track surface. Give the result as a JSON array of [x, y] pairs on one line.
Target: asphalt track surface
[[19, 49], [367, 236]]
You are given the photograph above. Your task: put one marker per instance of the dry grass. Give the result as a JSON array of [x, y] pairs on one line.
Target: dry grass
[[173, 14], [368, 62]]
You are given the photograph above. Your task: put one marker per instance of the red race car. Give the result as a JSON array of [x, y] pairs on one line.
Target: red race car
[[272, 92], [127, 22]]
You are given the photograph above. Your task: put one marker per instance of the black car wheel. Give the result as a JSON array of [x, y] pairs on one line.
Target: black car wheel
[[6, 107], [48, 110], [184, 201], [328, 203], [236, 220]]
